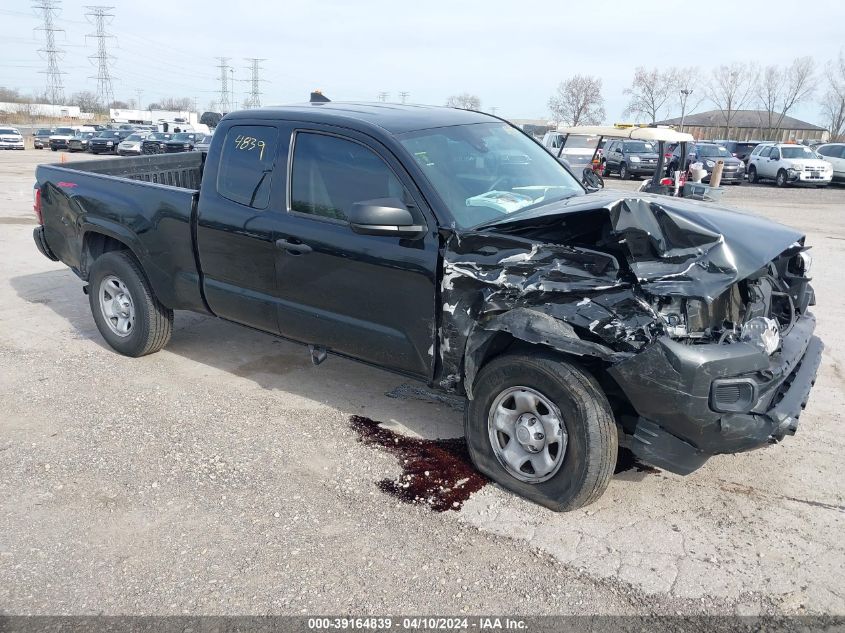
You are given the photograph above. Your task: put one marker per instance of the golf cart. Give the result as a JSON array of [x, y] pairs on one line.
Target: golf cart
[[591, 167]]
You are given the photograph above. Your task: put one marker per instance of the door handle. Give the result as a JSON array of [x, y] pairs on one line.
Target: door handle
[[294, 248]]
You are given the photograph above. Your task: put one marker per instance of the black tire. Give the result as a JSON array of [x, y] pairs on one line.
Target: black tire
[[780, 179], [752, 175], [590, 455], [54, 149], [153, 323], [623, 171]]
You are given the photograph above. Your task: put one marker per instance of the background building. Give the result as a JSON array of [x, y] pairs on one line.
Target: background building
[[746, 125]]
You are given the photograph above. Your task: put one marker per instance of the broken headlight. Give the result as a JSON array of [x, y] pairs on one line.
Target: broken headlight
[[761, 332]]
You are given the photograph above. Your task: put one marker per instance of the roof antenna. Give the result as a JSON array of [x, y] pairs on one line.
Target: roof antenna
[[317, 96]]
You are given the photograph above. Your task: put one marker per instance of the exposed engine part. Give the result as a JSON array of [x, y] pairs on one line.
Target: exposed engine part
[[761, 332]]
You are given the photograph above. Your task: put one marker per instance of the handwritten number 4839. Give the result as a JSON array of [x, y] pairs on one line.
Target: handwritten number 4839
[[248, 143]]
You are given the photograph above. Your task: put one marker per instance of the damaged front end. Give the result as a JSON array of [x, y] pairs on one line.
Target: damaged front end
[[693, 318]]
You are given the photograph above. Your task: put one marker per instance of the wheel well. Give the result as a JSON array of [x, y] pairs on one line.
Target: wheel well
[[97, 244]]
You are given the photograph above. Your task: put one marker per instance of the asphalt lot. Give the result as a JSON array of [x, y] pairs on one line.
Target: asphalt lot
[[222, 476]]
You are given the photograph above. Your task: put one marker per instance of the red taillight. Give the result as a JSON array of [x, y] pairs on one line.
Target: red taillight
[[36, 205]]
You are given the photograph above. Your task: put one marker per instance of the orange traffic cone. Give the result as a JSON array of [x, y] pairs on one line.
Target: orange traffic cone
[[63, 158]]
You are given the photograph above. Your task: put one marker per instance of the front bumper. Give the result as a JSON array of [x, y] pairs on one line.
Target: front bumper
[[58, 144], [11, 145], [810, 177], [669, 385], [642, 169]]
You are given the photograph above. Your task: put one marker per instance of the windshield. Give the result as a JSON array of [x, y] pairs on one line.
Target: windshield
[[158, 136], [43, 133], [639, 147], [183, 136], [109, 135], [797, 152], [8, 130], [65, 130], [486, 171], [713, 150], [583, 142], [135, 137]]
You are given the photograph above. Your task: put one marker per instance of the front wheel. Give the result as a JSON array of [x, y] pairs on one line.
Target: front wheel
[[125, 309], [542, 427], [780, 179], [752, 175]]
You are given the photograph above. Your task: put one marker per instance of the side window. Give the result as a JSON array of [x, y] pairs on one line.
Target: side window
[[775, 153], [765, 151], [330, 174], [246, 164], [826, 151]]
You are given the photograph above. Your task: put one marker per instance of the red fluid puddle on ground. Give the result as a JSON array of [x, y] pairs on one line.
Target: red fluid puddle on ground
[[437, 473]]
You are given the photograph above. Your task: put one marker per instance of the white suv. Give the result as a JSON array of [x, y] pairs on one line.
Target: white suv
[[787, 163], [10, 138]]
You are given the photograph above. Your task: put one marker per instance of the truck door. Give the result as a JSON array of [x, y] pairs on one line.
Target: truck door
[[368, 297], [236, 226]]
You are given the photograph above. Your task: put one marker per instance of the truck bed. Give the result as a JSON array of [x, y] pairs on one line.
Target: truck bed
[[177, 170], [147, 203]]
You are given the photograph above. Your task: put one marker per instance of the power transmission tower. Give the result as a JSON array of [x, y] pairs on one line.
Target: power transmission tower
[[55, 88], [224, 102], [382, 96], [98, 15], [139, 93], [404, 96], [254, 98]]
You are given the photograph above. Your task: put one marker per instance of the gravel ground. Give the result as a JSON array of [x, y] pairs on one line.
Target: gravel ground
[[221, 476]]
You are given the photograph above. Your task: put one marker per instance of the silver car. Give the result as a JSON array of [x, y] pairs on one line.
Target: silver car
[[131, 145]]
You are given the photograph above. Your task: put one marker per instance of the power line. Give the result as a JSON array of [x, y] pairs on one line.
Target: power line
[[254, 98], [224, 103], [55, 88], [97, 15], [404, 96], [382, 96]]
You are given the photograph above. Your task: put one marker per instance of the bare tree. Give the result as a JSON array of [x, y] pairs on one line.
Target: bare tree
[[781, 89], [465, 101], [731, 88], [651, 91], [11, 95], [833, 101], [122, 105], [86, 100], [578, 101], [175, 103]]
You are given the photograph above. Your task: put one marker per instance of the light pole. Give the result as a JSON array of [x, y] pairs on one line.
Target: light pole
[[685, 93]]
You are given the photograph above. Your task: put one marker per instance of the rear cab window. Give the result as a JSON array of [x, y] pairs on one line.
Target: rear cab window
[[245, 170]]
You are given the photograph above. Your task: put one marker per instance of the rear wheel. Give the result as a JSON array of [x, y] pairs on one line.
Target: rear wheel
[[542, 428], [623, 171], [780, 179], [125, 308]]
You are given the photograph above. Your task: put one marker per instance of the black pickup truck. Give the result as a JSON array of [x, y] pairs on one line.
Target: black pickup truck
[[448, 246]]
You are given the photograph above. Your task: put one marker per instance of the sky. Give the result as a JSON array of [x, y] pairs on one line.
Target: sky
[[511, 54]]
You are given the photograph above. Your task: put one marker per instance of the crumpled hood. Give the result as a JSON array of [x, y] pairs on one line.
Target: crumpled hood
[[676, 246]]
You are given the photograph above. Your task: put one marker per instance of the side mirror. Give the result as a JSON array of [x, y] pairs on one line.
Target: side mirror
[[383, 216], [591, 180]]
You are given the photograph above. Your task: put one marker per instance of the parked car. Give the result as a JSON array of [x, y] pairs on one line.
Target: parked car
[[10, 138], [154, 143], [131, 145], [630, 158], [733, 171], [788, 163], [203, 144], [182, 142], [577, 151], [41, 137], [738, 149], [62, 135], [569, 320], [80, 142], [108, 140], [834, 153]]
